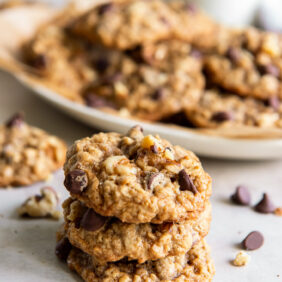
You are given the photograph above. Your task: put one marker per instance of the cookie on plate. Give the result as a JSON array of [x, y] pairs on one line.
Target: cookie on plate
[[150, 82], [217, 109], [126, 24], [61, 60], [196, 265], [136, 178], [250, 64], [27, 154], [108, 239]]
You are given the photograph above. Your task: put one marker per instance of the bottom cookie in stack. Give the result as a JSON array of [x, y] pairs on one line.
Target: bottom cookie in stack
[[116, 251], [195, 265]]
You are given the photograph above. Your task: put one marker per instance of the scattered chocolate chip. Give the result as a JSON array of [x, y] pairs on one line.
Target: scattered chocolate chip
[[222, 116], [241, 196], [253, 241], [158, 94], [76, 181], [39, 62], [95, 101], [185, 182], [102, 64], [233, 54], [105, 8], [153, 179], [16, 120], [63, 249], [274, 102], [92, 221], [196, 54], [154, 149], [265, 205], [270, 69]]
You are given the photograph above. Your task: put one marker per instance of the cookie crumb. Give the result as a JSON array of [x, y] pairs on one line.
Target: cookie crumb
[[278, 211], [242, 259], [41, 206]]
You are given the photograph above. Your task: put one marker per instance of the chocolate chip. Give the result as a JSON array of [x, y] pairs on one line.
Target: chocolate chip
[[112, 78], [191, 8], [92, 221], [102, 64], [196, 54], [153, 180], [222, 116], [241, 196], [265, 205], [233, 54], [253, 241], [158, 94], [76, 181], [39, 62], [185, 182], [63, 249], [16, 120], [165, 21], [270, 69], [95, 101], [105, 8], [274, 102], [154, 149]]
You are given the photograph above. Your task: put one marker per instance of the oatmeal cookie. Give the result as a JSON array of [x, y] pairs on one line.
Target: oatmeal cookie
[[220, 109], [126, 24], [193, 25], [27, 154], [136, 178], [113, 240], [60, 59], [196, 265], [151, 82], [250, 64]]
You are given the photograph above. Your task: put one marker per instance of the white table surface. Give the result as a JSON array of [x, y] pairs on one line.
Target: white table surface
[[27, 246]]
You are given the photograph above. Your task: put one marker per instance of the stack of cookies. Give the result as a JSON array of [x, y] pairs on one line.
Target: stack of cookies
[[138, 210]]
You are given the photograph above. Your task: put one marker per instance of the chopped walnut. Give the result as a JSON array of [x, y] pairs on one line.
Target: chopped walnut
[[242, 258], [40, 206]]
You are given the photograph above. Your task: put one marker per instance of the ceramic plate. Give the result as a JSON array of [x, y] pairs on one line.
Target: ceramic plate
[[203, 145]]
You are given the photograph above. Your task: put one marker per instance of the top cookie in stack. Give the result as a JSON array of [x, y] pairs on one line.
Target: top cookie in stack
[[136, 178], [137, 202]]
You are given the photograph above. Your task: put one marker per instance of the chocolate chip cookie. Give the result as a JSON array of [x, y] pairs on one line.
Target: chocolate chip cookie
[[61, 60], [126, 24], [136, 178], [150, 82], [27, 154], [196, 265], [217, 109], [108, 239], [250, 64]]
